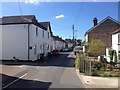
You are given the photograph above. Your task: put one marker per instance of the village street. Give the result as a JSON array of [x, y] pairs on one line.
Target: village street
[[56, 72]]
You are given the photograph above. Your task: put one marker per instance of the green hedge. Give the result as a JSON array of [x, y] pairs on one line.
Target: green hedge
[[106, 73]]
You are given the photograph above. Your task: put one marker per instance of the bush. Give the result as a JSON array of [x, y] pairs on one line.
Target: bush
[[106, 73], [96, 48], [96, 65], [77, 61]]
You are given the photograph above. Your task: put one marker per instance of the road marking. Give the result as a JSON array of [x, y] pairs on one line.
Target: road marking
[[37, 67], [14, 81]]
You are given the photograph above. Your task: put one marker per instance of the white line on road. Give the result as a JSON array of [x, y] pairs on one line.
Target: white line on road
[[37, 67], [14, 81]]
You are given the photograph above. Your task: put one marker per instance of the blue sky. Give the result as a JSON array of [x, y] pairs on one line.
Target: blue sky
[[63, 15]]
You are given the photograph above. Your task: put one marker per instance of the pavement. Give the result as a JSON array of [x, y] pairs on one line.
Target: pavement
[[98, 82]]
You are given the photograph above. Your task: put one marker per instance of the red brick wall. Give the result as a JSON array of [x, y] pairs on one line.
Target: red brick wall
[[104, 32]]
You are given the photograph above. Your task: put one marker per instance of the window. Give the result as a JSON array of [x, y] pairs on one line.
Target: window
[[36, 31], [41, 47], [35, 49], [119, 56], [48, 47], [48, 34], [119, 38], [43, 33]]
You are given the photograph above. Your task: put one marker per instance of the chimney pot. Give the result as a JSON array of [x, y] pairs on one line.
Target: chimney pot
[[95, 21]]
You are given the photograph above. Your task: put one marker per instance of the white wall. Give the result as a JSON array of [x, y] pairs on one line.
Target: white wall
[[14, 41], [57, 45], [70, 45], [107, 54], [0, 42], [39, 41], [115, 42], [86, 38]]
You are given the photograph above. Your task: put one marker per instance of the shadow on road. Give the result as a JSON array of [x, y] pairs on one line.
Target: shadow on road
[[61, 60], [23, 83]]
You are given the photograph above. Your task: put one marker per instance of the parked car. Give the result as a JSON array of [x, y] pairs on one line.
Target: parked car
[[70, 49], [78, 49], [55, 52], [64, 49]]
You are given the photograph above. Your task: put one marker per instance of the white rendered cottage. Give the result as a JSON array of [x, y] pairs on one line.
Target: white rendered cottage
[[23, 38], [58, 43], [116, 42], [48, 39]]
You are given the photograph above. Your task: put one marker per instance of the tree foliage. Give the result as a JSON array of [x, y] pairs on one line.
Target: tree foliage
[[96, 48], [113, 54], [83, 43]]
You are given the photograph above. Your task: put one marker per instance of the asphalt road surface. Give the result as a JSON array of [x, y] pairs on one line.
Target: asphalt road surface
[[56, 72]]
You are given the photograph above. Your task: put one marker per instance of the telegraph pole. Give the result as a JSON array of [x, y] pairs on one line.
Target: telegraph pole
[[73, 34]]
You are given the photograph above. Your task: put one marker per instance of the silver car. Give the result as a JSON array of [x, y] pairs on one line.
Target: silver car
[[78, 49]]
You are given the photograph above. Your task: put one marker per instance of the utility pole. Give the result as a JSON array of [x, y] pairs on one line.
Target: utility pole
[[73, 34]]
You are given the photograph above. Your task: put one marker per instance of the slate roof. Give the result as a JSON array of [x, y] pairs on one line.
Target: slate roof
[[58, 38], [46, 25], [24, 19]]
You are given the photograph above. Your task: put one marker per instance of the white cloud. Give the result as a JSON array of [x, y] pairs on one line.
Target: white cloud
[[59, 16], [32, 1]]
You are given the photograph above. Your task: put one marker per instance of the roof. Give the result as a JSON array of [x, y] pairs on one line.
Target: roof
[[69, 41], [17, 19], [58, 38], [102, 22], [116, 31], [24, 19], [46, 25]]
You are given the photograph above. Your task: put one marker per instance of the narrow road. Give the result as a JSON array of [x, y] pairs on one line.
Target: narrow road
[[56, 72]]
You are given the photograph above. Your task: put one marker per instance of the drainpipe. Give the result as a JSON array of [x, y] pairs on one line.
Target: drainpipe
[[29, 41]]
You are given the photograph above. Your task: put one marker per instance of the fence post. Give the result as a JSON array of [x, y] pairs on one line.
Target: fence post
[[78, 61], [90, 68]]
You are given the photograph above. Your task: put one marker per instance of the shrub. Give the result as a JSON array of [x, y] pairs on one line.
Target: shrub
[[96, 48], [77, 61], [96, 65], [106, 73]]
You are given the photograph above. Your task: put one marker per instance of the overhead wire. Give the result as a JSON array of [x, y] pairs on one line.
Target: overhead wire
[[20, 7]]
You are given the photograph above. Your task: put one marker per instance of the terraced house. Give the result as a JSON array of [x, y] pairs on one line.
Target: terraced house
[[24, 38]]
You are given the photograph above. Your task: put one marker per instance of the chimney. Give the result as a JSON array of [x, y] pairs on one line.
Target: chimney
[[95, 21]]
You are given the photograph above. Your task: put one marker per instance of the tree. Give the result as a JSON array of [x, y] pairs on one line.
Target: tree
[[96, 48], [83, 43], [113, 55]]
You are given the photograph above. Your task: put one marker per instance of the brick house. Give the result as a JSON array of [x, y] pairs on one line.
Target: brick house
[[103, 31]]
